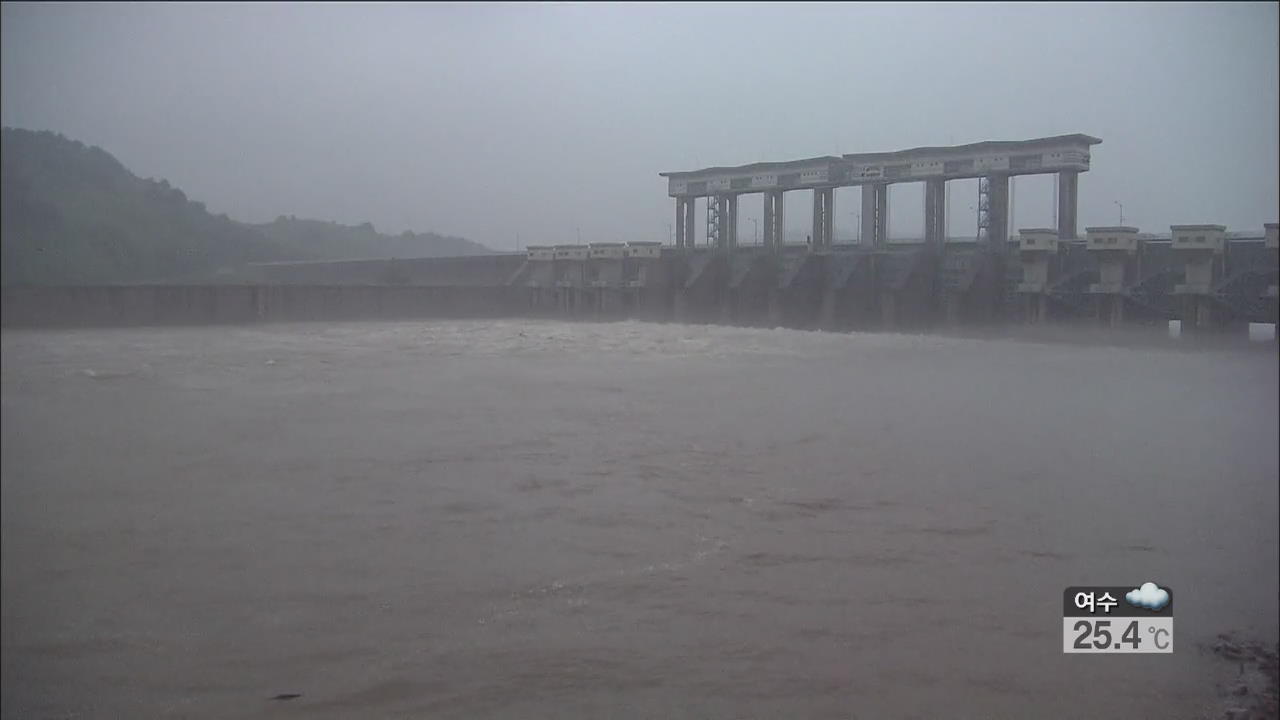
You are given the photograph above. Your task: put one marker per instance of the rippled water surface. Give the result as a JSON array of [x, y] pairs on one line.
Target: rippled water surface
[[544, 520]]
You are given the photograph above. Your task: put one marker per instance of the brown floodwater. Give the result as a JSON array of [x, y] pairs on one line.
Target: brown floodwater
[[557, 520]]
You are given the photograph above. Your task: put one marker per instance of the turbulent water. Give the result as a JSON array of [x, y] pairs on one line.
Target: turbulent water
[[545, 520]]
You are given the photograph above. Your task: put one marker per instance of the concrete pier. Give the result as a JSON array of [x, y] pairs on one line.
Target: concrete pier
[[875, 214], [1117, 250], [823, 214], [774, 220], [1068, 195], [935, 211]]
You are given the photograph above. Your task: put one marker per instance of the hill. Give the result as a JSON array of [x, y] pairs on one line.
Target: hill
[[330, 240], [72, 213]]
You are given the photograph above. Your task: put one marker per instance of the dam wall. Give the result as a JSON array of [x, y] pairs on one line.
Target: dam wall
[[1205, 278], [108, 305]]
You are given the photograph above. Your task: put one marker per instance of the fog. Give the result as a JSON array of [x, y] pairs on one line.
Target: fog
[[514, 123], [628, 482]]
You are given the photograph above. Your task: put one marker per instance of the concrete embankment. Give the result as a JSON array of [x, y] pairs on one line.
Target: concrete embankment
[[30, 306]]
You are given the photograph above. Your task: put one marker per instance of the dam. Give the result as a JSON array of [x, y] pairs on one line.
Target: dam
[[1202, 275]]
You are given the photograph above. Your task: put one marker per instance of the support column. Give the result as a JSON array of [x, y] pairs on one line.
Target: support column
[[716, 220], [935, 212], [828, 217], [774, 240], [690, 221], [815, 235], [779, 220], [867, 233], [823, 218], [1068, 182], [774, 227], [729, 222], [681, 208], [882, 213], [768, 222], [723, 227], [1204, 314], [998, 213], [875, 214], [1115, 310], [1035, 308]]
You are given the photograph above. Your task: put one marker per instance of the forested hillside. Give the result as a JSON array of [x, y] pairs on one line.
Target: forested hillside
[[72, 213]]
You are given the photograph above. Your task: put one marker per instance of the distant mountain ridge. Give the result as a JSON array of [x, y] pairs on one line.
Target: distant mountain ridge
[[330, 240], [73, 214]]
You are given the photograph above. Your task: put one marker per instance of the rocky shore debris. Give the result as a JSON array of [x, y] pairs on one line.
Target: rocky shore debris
[[1255, 692]]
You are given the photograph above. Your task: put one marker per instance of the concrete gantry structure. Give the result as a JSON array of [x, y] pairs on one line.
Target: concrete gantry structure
[[1225, 282], [1118, 250], [1039, 251], [1203, 248], [1200, 274], [599, 279], [992, 162]]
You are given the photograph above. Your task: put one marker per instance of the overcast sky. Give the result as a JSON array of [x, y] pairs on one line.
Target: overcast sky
[[489, 121]]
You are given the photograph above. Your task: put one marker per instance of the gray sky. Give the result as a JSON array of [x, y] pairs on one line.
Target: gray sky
[[490, 120]]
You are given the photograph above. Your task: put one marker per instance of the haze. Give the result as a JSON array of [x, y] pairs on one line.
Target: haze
[[492, 121], [239, 479]]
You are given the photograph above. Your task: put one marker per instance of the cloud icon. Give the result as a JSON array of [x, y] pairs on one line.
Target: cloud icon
[[1149, 596]]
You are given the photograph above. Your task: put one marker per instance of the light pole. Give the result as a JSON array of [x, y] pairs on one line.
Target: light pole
[[1121, 206], [857, 224], [755, 236]]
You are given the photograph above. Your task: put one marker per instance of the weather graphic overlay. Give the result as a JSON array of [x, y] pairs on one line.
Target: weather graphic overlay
[[1117, 619]]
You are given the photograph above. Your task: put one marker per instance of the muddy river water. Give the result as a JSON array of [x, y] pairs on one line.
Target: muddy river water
[[556, 520]]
